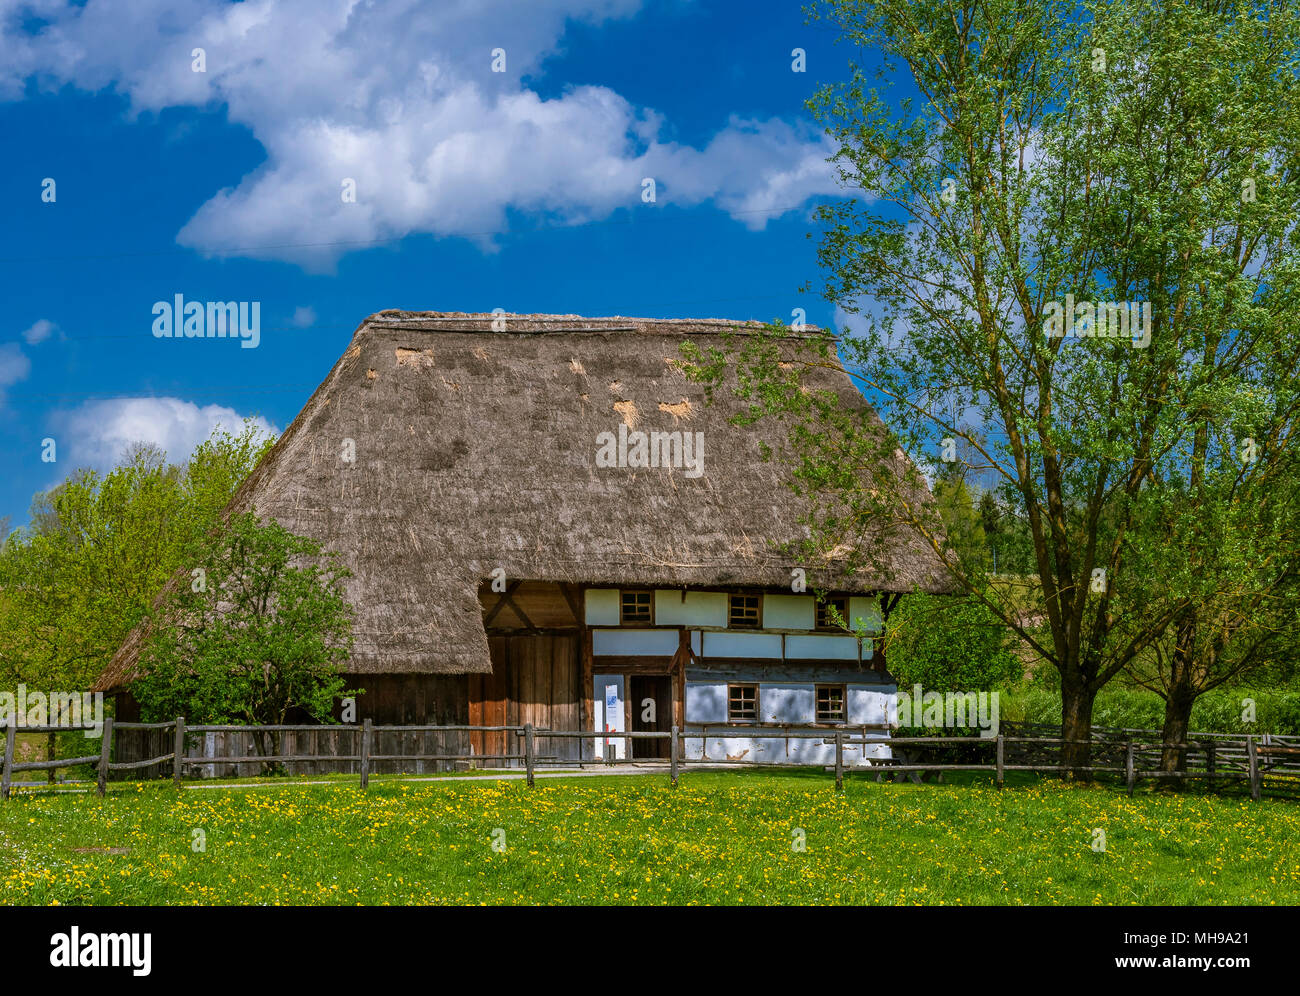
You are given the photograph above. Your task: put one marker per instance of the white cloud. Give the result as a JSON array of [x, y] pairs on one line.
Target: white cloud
[[40, 330], [400, 97], [303, 317], [14, 366], [97, 433]]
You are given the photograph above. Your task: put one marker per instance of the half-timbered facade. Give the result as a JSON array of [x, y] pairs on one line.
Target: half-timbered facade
[[734, 665]]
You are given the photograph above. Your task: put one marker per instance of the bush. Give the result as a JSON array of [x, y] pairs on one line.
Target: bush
[[263, 630], [949, 643]]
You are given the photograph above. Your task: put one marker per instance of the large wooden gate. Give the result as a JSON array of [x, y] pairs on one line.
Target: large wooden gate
[[536, 678]]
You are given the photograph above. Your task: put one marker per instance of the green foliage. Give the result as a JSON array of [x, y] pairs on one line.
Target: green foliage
[[99, 549], [962, 523], [949, 643], [1007, 536], [261, 629], [1123, 707]]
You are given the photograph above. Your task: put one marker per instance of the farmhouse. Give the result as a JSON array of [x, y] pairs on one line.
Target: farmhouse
[[513, 562]]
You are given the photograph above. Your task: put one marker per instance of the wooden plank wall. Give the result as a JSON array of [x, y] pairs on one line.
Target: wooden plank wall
[[434, 699], [389, 699], [536, 679]]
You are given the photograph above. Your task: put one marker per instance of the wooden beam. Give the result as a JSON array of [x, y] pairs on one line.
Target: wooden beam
[[504, 600], [627, 717], [573, 603], [632, 665], [683, 657], [528, 623], [587, 690]]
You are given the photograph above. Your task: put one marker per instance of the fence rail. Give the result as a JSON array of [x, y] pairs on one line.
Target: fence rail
[[1260, 761]]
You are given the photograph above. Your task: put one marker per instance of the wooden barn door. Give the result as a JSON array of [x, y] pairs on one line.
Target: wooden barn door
[[536, 678]]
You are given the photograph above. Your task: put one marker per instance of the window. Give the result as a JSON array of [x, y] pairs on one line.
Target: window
[[830, 703], [635, 607], [742, 703], [744, 612], [826, 618]]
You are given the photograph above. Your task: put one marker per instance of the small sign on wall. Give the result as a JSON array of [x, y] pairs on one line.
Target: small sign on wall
[[608, 695]]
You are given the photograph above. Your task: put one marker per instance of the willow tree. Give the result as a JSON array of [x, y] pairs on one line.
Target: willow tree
[[1072, 226]]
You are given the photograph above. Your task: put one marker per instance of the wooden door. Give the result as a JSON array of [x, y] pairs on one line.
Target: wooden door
[[644, 690]]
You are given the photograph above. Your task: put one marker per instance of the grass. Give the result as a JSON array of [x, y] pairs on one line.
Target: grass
[[721, 837]]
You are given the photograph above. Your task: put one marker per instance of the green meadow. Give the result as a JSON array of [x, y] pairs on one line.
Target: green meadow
[[719, 838]]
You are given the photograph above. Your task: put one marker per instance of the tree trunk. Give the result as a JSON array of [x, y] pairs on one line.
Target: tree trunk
[[268, 745], [1180, 696], [1178, 717], [1076, 728]]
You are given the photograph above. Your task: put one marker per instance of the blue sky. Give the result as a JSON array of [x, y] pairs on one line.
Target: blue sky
[[475, 190]]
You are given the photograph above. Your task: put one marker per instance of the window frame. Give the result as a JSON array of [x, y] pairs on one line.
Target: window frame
[[623, 620], [823, 626], [732, 686], [817, 704], [758, 610]]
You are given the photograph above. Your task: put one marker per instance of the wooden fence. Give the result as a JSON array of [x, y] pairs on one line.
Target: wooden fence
[[1254, 762]]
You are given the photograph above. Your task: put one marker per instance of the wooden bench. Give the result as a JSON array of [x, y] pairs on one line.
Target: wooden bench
[[915, 777]]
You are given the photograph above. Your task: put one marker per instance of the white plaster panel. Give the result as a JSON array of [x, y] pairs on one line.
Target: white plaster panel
[[701, 608], [838, 648], [866, 609], [792, 704], [706, 703], [602, 606], [870, 705], [634, 642], [789, 612], [765, 645]]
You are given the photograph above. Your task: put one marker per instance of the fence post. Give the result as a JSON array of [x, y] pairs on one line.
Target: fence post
[[1130, 767], [1001, 773], [1210, 762], [105, 752], [365, 752], [839, 761], [178, 751], [11, 733], [528, 751], [1254, 768], [672, 755]]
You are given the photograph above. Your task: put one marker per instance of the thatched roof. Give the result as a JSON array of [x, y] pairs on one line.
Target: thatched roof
[[475, 450]]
